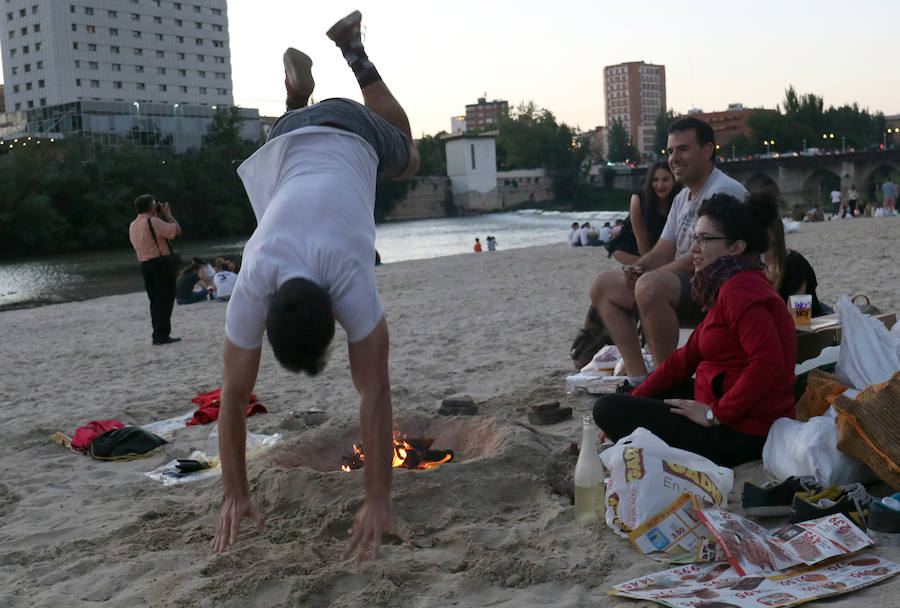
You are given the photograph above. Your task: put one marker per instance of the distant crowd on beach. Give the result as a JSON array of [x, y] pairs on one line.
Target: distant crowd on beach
[[585, 235], [855, 206]]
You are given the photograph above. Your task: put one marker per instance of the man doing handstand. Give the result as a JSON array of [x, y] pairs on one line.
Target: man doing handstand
[[312, 188]]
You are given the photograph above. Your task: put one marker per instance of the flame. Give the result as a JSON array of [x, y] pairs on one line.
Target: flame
[[402, 450]]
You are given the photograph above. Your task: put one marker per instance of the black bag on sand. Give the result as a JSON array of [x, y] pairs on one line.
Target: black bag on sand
[[590, 339], [866, 308], [128, 443]]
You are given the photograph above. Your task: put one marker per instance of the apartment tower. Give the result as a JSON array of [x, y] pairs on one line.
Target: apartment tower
[[636, 95]]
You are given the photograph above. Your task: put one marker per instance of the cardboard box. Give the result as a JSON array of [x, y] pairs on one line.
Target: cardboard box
[[826, 331]]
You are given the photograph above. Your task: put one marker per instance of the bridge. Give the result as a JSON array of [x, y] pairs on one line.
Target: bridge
[[801, 180]]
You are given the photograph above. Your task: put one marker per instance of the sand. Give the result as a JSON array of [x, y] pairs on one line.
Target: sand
[[488, 530]]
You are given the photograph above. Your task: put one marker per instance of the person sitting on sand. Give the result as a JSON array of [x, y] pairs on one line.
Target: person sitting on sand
[[491, 243], [743, 352], [816, 214], [192, 277], [309, 261], [575, 235], [646, 216], [224, 279], [477, 247], [789, 272]]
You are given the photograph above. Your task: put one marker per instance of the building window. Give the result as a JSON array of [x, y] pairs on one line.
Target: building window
[[90, 29], [88, 10], [27, 67], [71, 8], [74, 29], [182, 72], [92, 47], [30, 104], [112, 14], [160, 70], [113, 31], [177, 5], [117, 67], [157, 20], [198, 25], [18, 107], [140, 86], [201, 58], [218, 43], [159, 36], [180, 39], [216, 27], [203, 90], [117, 85], [43, 101], [135, 17], [138, 51], [199, 42], [216, 11], [78, 82], [95, 84], [160, 53], [202, 74], [163, 88], [12, 34], [181, 56], [197, 9], [179, 22], [93, 65], [77, 64], [222, 91], [15, 88], [139, 69], [36, 27], [27, 86], [219, 59], [183, 89], [9, 16], [114, 50], [24, 31], [135, 34], [15, 69]]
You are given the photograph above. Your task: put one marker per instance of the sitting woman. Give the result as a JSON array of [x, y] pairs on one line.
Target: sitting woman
[[646, 216], [224, 279], [743, 352], [789, 272], [193, 276]]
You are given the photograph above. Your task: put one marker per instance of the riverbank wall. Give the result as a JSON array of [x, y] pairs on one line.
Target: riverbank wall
[[431, 197]]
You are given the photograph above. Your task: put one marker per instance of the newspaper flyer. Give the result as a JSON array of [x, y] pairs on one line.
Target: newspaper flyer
[[750, 548], [676, 534], [719, 584]]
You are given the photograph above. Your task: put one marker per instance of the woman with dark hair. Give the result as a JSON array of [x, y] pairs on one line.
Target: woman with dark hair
[[647, 215], [789, 272], [192, 276], [743, 352]]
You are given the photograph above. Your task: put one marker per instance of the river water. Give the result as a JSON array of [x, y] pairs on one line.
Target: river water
[[65, 278]]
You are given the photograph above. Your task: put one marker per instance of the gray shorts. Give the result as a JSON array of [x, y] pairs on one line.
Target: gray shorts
[[390, 143], [688, 311]]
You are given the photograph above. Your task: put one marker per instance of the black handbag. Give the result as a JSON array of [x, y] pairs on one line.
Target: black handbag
[[171, 262]]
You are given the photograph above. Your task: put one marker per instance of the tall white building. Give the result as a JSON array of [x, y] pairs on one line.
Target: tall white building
[[59, 51], [140, 58]]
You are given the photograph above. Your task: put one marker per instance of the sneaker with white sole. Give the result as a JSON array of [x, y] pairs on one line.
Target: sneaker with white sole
[[346, 29]]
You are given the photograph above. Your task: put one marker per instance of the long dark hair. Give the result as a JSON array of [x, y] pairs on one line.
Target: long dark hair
[[649, 197]]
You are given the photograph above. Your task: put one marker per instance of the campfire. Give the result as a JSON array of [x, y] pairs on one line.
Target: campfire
[[408, 453]]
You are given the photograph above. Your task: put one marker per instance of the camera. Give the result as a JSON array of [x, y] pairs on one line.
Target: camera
[[158, 207]]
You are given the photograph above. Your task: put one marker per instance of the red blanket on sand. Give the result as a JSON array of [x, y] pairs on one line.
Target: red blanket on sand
[[208, 407]]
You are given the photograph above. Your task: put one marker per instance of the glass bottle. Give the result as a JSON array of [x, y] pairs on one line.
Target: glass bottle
[[590, 490]]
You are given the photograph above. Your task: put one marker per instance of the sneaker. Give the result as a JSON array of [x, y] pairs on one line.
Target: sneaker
[[884, 521], [773, 499], [625, 387], [346, 29], [169, 340], [851, 500], [298, 77]]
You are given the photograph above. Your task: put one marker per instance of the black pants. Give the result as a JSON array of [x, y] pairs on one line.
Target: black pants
[[159, 281], [619, 415]]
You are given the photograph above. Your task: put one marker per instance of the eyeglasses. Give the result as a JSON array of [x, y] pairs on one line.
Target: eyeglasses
[[704, 239]]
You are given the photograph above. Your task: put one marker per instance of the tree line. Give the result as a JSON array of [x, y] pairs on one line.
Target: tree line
[[75, 195]]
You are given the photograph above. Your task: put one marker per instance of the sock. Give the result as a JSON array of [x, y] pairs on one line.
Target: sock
[[635, 381], [355, 54]]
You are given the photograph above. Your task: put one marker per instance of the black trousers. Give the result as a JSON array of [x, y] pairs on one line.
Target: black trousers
[[159, 281], [619, 415]]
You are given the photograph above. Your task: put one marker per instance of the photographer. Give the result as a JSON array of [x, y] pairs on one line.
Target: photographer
[[149, 234]]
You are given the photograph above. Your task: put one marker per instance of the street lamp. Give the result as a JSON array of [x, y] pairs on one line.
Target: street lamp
[[769, 143], [826, 136], [890, 132]]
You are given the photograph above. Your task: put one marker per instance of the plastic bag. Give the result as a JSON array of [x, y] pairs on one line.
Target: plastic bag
[[869, 352], [810, 448], [646, 475]]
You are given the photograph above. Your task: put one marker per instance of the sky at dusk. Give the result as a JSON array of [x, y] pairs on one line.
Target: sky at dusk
[[438, 56]]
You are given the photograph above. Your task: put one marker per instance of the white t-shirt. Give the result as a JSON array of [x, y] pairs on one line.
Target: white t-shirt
[[585, 236], [574, 237], [683, 214], [313, 193], [224, 282], [835, 196], [604, 233]]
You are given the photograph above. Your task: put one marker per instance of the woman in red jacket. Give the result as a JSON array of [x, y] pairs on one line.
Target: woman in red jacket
[[743, 353]]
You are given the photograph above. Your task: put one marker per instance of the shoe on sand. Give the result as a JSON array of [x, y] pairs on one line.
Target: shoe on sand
[[774, 499], [298, 76], [346, 29], [884, 520], [852, 500]]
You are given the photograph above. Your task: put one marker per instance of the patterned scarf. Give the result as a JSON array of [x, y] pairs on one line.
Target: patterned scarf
[[706, 283]]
